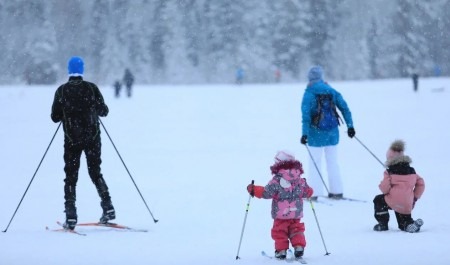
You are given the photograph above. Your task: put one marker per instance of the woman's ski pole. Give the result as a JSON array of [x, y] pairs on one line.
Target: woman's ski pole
[[245, 220], [317, 168], [370, 152]]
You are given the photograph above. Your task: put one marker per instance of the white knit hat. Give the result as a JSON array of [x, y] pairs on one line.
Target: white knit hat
[[284, 156]]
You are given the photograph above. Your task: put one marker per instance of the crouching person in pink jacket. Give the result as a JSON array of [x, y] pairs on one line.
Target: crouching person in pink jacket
[[286, 189], [401, 188]]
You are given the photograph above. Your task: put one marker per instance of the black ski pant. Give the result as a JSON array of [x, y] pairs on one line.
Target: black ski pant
[[381, 214], [72, 155]]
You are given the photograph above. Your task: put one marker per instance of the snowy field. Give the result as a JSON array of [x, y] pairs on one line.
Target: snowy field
[[192, 150]]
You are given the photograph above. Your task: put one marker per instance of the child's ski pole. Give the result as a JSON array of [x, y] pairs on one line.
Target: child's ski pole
[[245, 220], [320, 231]]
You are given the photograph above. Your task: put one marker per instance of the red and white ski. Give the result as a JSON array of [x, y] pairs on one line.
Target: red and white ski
[[114, 225], [64, 230], [107, 225]]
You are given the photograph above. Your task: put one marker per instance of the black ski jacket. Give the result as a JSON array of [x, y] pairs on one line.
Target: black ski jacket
[[78, 104]]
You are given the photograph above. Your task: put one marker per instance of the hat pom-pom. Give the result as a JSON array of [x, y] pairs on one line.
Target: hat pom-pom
[[398, 146]]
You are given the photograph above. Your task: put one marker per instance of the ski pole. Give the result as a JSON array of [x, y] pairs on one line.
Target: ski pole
[[320, 231], [245, 220], [32, 178], [142, 197], [370, 152], [317, 168]]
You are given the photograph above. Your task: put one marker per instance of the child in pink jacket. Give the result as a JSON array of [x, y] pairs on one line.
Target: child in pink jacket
[[287, 190], [401, 188]]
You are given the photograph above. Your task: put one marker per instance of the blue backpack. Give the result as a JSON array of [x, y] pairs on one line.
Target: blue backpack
[[326, 116]]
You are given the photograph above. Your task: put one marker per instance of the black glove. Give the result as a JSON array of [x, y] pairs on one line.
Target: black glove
[[304, 139], [351, 132]]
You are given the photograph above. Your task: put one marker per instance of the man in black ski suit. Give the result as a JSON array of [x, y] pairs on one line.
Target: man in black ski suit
[[78, 104], [128, 79]]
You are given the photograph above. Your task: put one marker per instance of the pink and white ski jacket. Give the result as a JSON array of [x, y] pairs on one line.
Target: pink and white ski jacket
[[286, 189]]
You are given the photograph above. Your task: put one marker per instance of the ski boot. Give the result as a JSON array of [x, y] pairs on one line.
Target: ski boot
[[108, 212], [298, 252], [281, 254], [71, 218]]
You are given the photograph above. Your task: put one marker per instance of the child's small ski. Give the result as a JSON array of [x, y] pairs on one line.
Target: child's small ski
[[264, 254], [299, 259]]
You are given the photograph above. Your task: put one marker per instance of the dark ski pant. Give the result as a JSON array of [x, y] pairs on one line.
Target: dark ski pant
[[72, 155], [129, 88], [382, 213]]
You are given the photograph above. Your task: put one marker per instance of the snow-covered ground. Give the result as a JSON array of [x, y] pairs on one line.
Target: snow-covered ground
[[192, 150]]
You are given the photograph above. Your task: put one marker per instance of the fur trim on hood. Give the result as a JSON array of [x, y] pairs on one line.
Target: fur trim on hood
[[398, 159], [287, 164]]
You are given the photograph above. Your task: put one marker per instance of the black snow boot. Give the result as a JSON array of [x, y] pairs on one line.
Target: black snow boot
[[381, 227], [335, 196], [414, 227]]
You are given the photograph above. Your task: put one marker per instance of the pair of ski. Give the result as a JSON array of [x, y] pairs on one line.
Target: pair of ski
[[290, 258], [339, 199], [107, 225]]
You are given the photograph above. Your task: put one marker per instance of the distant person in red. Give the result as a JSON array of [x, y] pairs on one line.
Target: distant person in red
[[277, 75]]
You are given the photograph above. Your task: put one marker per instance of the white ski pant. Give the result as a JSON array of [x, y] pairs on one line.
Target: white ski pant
[[334, 175]]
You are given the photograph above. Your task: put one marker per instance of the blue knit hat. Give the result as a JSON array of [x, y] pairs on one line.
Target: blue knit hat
[[75, 66], [315, 74]]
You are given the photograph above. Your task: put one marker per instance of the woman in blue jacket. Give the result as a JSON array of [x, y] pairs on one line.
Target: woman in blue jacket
[[320, 130]]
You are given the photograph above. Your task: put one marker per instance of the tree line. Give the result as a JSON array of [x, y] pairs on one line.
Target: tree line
[[205, 41]]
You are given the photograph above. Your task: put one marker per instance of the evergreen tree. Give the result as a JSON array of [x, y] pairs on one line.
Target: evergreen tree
[[408, 24], [292, 25], [39, 44], [324, 20], [374, 49], [98, 34], [158, 39]]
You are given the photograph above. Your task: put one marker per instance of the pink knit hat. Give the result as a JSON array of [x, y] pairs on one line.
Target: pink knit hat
[[396, 149]]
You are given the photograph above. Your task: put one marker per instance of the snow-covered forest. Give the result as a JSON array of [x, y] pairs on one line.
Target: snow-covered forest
[[205, 41]]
